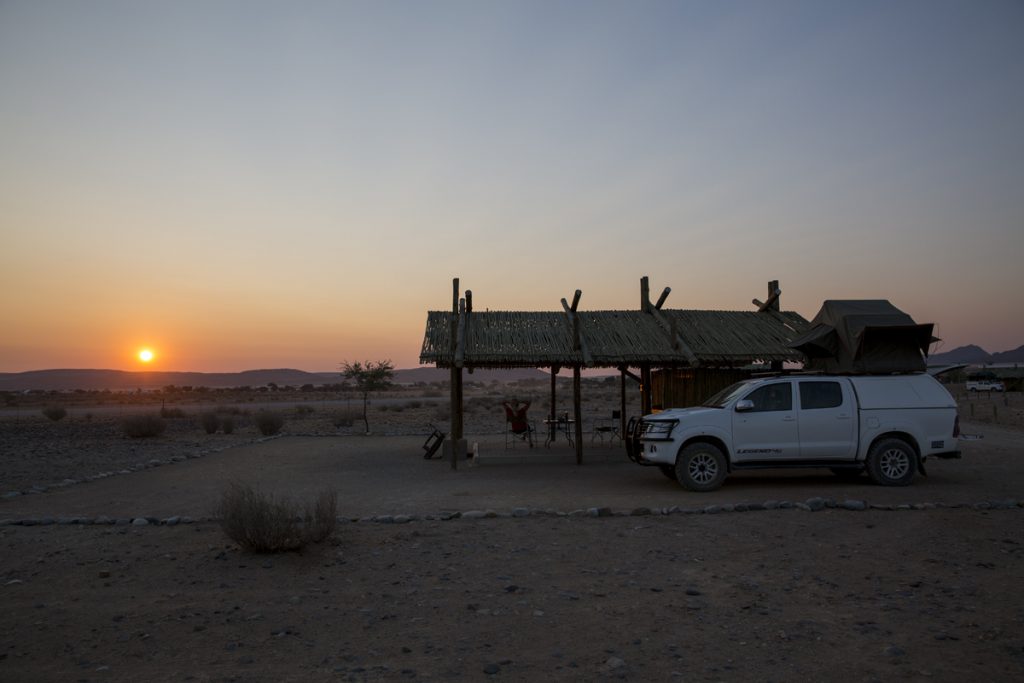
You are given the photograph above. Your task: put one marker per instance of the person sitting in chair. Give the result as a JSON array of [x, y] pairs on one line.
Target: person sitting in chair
[[515, 413]]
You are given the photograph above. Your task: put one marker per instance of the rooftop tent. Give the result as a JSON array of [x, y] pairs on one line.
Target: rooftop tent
[[864, 336]]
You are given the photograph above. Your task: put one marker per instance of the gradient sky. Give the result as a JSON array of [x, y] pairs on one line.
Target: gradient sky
[[292, 184]]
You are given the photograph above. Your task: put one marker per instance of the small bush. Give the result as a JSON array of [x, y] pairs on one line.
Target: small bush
[[55, 413], [144, 426], [344, 420], [227, 424], [170, 413], [268, 422], [303, 410], [264, 523], [413, 405], [210, 422]]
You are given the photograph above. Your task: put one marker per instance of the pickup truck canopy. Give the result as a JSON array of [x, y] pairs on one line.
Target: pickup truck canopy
[[869, 336]]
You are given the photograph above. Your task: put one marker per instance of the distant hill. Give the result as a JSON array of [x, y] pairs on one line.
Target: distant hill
[[118, 380], [1014, 356], [977, 356], [962, 354]]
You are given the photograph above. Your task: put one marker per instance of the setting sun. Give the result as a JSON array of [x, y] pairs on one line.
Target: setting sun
[[145, 355]]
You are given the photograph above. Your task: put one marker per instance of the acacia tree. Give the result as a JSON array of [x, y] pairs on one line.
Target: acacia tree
[[369, 376]]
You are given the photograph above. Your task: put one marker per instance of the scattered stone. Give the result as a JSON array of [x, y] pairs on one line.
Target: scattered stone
[[140, 521], [521, 512], [894, 651], [713, 509], [402, 519], [640, 512], [815, 504], [692, 591], [614, 663], [854, 505], [474, 514], [491, 669]]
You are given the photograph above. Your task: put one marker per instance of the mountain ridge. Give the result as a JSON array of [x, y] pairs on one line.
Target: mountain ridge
[[70, 379]]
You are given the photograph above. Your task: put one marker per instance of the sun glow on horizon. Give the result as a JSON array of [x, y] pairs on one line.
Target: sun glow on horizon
[[146, 355]]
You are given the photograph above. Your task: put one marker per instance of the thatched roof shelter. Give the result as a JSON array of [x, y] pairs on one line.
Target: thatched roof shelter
[[644, 339], [612, 339]]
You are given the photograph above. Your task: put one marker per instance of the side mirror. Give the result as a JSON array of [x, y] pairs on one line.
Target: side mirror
[[744, 405]]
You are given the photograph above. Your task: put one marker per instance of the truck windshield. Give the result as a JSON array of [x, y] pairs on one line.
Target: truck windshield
[[720, 399]]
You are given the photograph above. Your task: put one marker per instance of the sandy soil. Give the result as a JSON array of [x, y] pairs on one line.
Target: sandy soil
[[922, 594]]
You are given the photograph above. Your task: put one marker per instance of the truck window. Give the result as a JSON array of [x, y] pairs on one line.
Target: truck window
[[814, 395], [772, 397]]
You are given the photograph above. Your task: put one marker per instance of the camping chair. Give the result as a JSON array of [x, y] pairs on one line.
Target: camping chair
[[517, 426], [609, 426]]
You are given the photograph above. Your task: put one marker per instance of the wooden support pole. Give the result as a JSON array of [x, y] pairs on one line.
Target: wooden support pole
[[646, 402], [645, 294], [552, 427], [576, 299], [469, 301], [622, 403], [661, 299], [577, 413], [772, 304], [460, 336]]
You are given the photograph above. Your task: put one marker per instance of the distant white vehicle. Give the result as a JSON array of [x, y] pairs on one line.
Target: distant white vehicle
[[985, 385]]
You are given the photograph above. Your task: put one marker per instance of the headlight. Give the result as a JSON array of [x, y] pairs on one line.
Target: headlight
[[658, 429]]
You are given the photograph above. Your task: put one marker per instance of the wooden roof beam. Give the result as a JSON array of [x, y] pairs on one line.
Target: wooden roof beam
[[676, 339], [661, 299], [579, 342]]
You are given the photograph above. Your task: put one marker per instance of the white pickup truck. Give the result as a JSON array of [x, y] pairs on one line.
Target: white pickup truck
[[887, 425]]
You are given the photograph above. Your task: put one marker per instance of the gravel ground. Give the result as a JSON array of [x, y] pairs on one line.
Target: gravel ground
[[728, 591]]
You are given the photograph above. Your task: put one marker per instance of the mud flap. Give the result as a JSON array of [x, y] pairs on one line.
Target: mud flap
[[920, 466]]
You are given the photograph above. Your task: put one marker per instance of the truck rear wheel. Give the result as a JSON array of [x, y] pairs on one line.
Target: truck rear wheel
[[892, 462], [701, 467]]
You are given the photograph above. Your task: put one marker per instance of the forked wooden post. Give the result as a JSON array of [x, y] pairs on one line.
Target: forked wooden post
[[456, 379]]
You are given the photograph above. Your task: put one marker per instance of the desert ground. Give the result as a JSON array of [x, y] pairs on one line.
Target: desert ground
[[521, 566]]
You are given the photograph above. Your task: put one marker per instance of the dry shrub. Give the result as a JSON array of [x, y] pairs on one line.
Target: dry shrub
[[55, 413], [268, 422], [304, 410], [144, 426], [210, 422], [170, 413], [344, 419], [264, 523], [227, 424]]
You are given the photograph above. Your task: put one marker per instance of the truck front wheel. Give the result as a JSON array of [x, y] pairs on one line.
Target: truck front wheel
[[892, 462], [701, 467]]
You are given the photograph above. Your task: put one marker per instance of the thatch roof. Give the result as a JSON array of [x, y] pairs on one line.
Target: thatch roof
[[614, 338]]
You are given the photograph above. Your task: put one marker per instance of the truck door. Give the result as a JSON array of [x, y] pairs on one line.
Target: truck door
[[828, 420], [768, 431]]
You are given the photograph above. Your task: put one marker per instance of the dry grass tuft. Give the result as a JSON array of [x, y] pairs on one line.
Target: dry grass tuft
[[144, 426], [268, 422], [264, 523], [55, 413]]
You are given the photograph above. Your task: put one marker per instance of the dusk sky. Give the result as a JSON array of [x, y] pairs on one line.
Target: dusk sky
[[241, 185]]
